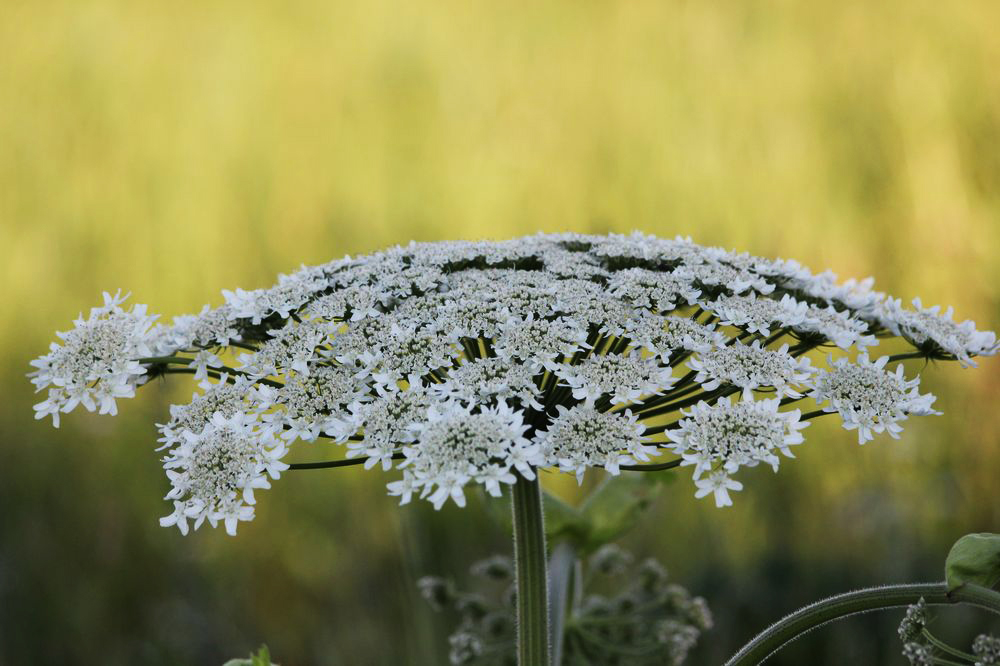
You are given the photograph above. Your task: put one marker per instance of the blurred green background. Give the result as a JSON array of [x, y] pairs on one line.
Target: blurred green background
[[176, 149]]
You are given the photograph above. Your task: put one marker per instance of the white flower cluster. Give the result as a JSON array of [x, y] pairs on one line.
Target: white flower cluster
[[97, 362], [868, 397], [928, 327], [581, 437], [215, 471], [752, 367], [454, 445], [624, 377], [719, 439], [470, 363]]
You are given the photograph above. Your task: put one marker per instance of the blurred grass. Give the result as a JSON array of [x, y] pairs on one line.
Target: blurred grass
[[177, 149]]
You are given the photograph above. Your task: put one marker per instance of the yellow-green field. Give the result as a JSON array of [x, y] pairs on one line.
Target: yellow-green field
[[176, 149]]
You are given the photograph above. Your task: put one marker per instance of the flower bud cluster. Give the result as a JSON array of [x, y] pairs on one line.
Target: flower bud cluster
[[921, 648], [646, 621], [986, 650]]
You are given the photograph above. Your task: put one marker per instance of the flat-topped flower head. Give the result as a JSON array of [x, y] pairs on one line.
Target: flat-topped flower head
[[308, 406], [228, 397], [666, 336], [758, 315], [930, 327], [719, 439], [385, 423], [654, 290], [97, 361], [721, 277], [352, 303], [556, 351], [838, 326], [582, 437], [520, 298], [361, 339], [408, 354], [282, 299], [467, 315], [484, 381], [623, 377], [587, 304], [752, 367], [868, 397], [567, 264], [454, 445], [212, 327], [214, 472], [408, 281], [538, 341], [291, 348]]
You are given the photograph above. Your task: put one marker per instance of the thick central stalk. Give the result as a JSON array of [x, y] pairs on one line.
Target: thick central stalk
[[532, 576]]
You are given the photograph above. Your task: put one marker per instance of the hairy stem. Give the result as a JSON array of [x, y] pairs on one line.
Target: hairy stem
[[833, 608], [530, 569]]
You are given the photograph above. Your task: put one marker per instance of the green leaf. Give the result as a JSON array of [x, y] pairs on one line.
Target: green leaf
[[610, 511], [615, 507], [262, 658], [563, 522], [975, 558]]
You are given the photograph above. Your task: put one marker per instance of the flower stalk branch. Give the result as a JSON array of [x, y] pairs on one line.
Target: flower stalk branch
[[867, 600]]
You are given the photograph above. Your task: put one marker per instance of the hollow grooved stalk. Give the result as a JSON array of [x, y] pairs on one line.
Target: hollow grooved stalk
[[530, 568]]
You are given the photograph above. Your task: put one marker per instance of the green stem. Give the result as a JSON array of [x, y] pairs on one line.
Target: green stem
[[154, 360], [218, 375], [947, 662], [944, 647], [653, 467], [709, 396], [328, 464], [805, 619], [216, 372], [907, 356], [774, 338], [531, 573]]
